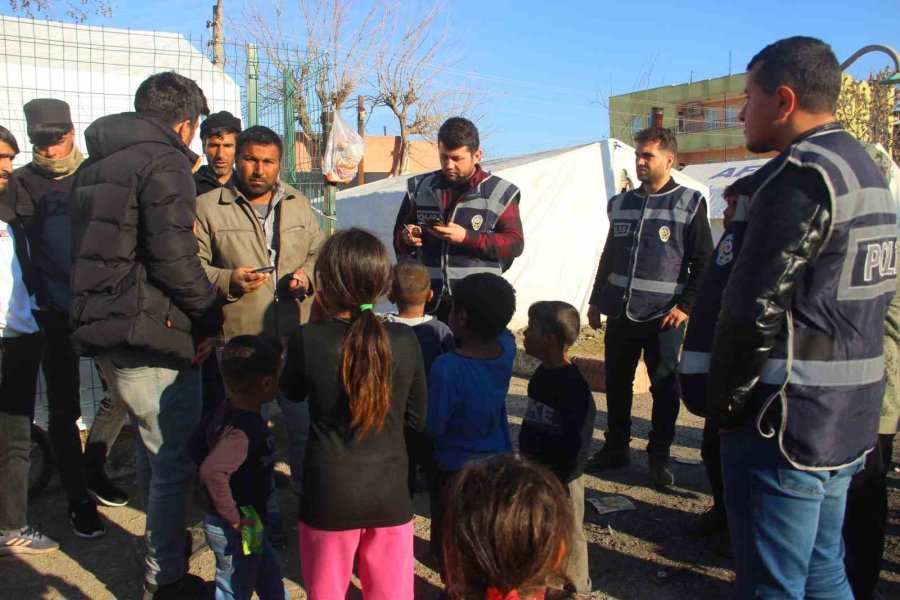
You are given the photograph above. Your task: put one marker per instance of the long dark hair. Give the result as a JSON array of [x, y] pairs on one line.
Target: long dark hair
[[507, 527], [354, 269]]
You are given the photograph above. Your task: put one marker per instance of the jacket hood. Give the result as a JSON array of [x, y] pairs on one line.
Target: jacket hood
[[112, 133]]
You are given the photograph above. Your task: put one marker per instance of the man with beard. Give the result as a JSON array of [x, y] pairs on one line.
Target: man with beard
[[20, 356], [218, 132], [657, 248], [258, 244], [459, 220], [797, 367]]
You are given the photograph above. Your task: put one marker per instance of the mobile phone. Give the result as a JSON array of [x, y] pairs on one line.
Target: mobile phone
[[264, 270], [434, 222]]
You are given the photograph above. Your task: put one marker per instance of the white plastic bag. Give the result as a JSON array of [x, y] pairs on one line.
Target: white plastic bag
[[344, 150]]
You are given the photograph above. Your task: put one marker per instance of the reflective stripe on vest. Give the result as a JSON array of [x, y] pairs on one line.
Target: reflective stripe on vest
[[644, 285], [821, 373]]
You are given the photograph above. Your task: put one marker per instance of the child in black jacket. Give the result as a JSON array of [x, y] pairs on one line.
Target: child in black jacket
[[559, 423]]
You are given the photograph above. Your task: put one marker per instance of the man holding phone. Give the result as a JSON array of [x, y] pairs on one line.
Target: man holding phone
[[459, 220], [258, 244]]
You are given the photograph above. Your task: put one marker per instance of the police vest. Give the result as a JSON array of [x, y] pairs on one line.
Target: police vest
[[693, 368], [826, 372], [648, 272], [478, 212]]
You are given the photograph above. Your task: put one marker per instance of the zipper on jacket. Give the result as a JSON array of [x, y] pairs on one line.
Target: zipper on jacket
[[634, 257]]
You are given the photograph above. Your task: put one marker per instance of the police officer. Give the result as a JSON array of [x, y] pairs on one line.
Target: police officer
[[797, 369], [459, 220], [657, 248]]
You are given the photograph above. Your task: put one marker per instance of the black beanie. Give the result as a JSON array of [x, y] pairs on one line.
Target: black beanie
[[47, 111], [220, 119]]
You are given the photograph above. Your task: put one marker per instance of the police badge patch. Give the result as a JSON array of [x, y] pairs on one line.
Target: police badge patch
[[664, 233], [477, 222], [725, 251]]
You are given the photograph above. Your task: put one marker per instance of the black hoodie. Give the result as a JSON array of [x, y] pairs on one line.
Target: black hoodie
[[137, 284]]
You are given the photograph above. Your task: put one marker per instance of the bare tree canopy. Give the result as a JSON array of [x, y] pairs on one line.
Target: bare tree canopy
[[407, 71], [329, 50], [78, 10]]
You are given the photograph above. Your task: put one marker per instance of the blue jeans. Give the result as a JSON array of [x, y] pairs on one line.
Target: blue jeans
[[785, 523], [164, 407], [237, 576]]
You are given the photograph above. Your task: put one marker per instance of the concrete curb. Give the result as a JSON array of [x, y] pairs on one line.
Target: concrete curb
[[593, 369]]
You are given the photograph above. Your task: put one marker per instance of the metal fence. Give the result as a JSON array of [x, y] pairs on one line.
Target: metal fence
[[97, 70]]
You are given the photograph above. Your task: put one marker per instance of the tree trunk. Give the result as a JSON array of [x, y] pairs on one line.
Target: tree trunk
[[403, 166]]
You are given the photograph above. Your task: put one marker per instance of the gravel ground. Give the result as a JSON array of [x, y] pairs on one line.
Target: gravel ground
[[648, 553]]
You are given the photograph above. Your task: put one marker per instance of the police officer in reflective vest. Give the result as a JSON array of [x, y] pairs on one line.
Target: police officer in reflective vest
[[459, 220], [655, 254], [796, 375], [693, 369]]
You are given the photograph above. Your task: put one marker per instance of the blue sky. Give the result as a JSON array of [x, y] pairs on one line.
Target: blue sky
[[544, 69]]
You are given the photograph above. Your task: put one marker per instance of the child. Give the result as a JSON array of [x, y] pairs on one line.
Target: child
[[410, 291], [559, 423], [234, 448], [467, 388], [364, 381], [508, 526]]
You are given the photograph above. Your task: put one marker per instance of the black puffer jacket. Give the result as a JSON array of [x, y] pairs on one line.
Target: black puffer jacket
[[137, 283]]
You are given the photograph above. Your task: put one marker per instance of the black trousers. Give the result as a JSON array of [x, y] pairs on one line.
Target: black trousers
[[63, 383], [712, 462], [866, 518], [625, 340]]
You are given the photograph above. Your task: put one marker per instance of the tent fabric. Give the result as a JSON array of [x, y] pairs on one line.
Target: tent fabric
[[563, 209], [96, 70]]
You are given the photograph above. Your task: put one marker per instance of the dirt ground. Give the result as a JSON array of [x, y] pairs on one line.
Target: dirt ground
[[648, 553]]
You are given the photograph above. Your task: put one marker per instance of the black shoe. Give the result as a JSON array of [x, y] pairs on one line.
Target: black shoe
[[104, 491], [709, 523], [189, 587], [85, 521], [609, 457], [275, 532], [660, 475]]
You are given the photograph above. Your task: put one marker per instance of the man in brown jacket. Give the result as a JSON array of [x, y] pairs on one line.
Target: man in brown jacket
[[258, 245]]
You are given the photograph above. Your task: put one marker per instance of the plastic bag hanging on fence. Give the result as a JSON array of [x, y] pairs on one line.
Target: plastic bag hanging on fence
[[343, 151]]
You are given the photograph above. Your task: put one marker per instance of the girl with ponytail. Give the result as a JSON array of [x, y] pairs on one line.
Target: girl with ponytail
[[363, 380]]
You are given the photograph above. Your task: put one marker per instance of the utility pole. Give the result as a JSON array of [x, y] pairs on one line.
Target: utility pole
[[329, 190], [361, 130], [218, 43]]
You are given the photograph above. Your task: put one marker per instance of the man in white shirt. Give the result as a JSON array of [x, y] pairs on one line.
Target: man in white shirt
[[20, 355]]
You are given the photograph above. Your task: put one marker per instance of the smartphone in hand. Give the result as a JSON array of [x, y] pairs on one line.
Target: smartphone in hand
[[264, 270]]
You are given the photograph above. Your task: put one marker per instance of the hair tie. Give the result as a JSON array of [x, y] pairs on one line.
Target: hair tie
[[365, 307], [494, 593]]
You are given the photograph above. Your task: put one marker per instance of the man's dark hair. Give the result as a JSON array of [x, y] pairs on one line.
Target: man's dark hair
[[259, 135], [739, 187], [247, 359], [48, 134], [7, 136], [218, 132], [170, 97], [806, 65], [457, 132], [220, 124], [489, 302], [663, 135], [559, 319]]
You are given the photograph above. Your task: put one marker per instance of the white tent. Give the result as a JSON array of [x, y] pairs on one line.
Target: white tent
[[96, 70], [563, 209], [718, 176]]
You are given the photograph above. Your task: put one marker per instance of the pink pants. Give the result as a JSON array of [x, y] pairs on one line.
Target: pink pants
[[385, 562]]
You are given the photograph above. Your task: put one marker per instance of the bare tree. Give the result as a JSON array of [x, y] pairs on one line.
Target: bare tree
[[407, 69], [326, 62], [79, 10]]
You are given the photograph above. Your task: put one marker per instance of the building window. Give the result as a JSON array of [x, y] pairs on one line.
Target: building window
[[731, 116], [637, 123], [712, 119]]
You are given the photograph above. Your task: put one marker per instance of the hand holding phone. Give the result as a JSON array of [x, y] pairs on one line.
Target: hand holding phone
[[264, 270]]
